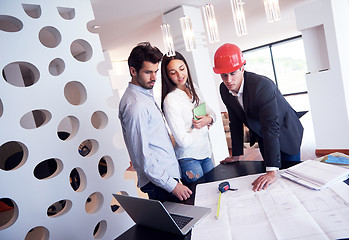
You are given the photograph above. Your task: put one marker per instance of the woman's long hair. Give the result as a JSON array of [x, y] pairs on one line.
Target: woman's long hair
[[168, 86]]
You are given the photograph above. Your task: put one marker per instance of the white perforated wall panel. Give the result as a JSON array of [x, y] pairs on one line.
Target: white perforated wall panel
[[62, 154]]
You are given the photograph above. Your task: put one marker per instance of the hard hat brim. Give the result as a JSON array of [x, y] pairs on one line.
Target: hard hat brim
[[227, 69]]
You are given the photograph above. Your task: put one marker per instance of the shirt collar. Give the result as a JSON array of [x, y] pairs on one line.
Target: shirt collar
[[148, 92]]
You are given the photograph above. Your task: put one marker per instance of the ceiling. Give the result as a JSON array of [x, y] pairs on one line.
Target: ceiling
[[123, 24]]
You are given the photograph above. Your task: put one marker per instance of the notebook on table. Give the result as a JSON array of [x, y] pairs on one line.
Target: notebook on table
[[316, 175], [168, 216]]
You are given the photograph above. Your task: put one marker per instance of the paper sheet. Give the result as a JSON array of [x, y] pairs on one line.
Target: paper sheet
[[315, 174], [285, 210]]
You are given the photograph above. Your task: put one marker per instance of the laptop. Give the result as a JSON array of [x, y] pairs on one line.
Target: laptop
[[168, 216]]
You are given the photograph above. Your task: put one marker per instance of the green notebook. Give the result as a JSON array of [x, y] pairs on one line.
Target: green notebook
[[199, 110]]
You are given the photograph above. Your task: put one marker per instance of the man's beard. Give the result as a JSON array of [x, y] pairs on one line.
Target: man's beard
[[146, 85]]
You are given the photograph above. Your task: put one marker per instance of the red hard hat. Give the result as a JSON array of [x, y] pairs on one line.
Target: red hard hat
[[228, 58]]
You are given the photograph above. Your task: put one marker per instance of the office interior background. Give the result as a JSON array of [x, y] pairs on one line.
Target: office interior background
[[64, 71]]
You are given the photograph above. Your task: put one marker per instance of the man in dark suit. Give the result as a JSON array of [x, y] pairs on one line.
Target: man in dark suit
[[254, 101]]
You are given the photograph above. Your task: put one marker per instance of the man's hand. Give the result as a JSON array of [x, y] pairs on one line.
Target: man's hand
[[182, 192], [230, 159], [264, 181]]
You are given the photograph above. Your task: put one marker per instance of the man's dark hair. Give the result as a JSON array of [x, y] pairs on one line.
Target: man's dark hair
[[144, 51]]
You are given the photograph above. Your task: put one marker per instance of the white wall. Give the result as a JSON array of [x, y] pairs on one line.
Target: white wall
[[71, 91], [324, 25]]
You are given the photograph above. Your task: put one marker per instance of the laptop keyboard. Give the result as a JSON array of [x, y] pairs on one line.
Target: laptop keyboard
[[181, 221]]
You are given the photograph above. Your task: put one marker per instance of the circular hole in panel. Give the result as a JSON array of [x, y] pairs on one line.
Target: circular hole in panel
[[81, 50], [48, 168], [115, 205], [106, 167], [99, 120], [1, 108], [12, 155], [100, 229], [94, 202], [39, 232], [10, 24], [88, 147], [68, 128], [75, 93], [77, 179], [50, 37], [9, 213], [20, 74], [59, 208], [35, 119], [56, 67], [66, 13], [32, 10]]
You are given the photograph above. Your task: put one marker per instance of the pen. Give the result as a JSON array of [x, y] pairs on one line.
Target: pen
[[219, 204]]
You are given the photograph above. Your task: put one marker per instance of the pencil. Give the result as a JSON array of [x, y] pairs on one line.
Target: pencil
[[219, 204]]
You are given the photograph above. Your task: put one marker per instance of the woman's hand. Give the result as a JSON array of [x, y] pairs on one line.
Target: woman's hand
[[202, 121]]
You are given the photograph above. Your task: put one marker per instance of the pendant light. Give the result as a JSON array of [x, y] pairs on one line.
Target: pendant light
[[272, 10], [168, 40], [188, 34], [211, 23], [239, 17]]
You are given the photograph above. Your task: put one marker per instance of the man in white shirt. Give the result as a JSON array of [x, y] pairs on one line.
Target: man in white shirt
[[144, 130]]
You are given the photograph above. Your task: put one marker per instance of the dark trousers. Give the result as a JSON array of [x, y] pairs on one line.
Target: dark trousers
[[158, 193], [287, 160]]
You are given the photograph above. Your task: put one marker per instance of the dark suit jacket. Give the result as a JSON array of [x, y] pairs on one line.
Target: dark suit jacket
[[268, 116]]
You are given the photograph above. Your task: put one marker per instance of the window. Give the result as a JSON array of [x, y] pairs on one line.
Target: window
[[284, 63], [290, 66], [259, 61]]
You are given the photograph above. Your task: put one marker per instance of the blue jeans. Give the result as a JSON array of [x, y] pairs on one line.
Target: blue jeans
[[193, 169], [158, 193]]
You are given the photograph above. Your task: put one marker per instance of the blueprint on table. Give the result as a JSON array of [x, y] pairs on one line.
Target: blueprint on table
[[285, 210]]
